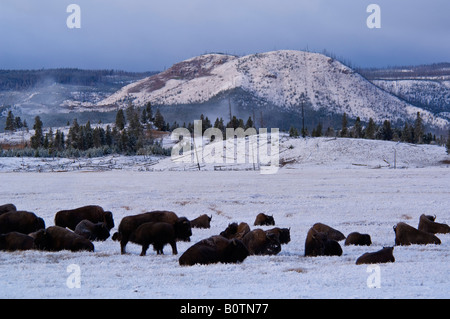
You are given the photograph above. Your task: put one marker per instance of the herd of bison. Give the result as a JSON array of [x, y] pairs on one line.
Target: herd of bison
[[76, 229]]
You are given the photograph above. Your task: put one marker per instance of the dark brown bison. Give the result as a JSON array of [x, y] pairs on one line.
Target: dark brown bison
[[427, 224], [7, 208], [20, 221], [318, 244], [408, 235], [159, 234], [283, 234], [16, 241], [358, 239], [130, 223], [203, 221], [216, 249], [236, 231], [331, 233], [264, 220], [56, 238], [72, 217], [258, 242], [384, 255], [91, 231]]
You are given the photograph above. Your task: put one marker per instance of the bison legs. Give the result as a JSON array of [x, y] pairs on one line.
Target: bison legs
[[144, 249], [174, 247]]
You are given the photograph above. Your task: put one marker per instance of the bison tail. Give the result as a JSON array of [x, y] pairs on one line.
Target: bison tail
[[117, 236]]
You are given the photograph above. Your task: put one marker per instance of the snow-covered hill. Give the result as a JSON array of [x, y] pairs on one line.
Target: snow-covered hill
[[286, 79]]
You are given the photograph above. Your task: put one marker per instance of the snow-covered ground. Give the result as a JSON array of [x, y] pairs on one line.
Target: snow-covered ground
[[320, 184]]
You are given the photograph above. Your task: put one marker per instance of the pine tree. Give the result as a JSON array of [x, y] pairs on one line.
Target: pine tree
[[10, 122], [149, 112], [357, 128], [344, 131], [120, 120], [159, 122], [37, 140], [386, 131], [249, 123], [370, 130], [418, 129]]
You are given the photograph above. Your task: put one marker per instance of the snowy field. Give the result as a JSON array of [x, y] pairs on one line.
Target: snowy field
[[350, 199]]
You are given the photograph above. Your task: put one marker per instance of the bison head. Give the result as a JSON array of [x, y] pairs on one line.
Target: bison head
[[235, 252], [108, 219], [230, 230], [183, 229]]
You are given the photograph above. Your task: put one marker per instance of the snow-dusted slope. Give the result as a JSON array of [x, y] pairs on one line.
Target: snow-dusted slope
[[283, 78]]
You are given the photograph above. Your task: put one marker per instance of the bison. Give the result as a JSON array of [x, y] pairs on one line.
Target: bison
[[283, 234], [214, 250], [71, 218], [258, 242], [264, 220], [7, 208], [358, 239], [20, 221], [236, 231], [331, 233], [203, 221], [159, 234], [408, 235], [130, 223], [428, 225], [318, 244], [56, 238], [91, 231], [16, 241], [382, 256]]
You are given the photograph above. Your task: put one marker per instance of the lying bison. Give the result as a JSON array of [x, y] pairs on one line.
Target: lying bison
[[203, 221], [331, 233], [264, 220], [408, 235], [214, 250], [71, 218], [130, 223], [236, 231], [159, 234], [382, 256], [91, 231], [56, 238], [258, 242], [358, 239], [20, 221], [427, 224], [318, 244], [283, 234], [7, 208], [16, 241]]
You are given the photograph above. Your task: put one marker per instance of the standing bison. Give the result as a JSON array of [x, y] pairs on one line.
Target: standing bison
[[264, 220], [16, 241], [20, 221], [258, 242], [216, 249], [318, 244], [428, 225], [408, 235], [159, 234], [130, 223], [379, 257], [91, 231], [71, 218], [57, 238], [203, 221]]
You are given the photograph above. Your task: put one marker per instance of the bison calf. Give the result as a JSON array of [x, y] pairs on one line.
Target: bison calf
[[214, 250], [408, 235], [358, 239], [56, 238], [203, 221], [264, 220], [91, 231], [156, 234], [428, 225], [72, 217], [382, 256], [16, 241]]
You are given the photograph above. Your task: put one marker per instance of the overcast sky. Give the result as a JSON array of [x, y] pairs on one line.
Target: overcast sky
[[143, 35]]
